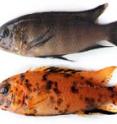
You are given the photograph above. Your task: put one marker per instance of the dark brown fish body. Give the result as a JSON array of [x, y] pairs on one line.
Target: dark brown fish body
[[54, 33], [55, 90]]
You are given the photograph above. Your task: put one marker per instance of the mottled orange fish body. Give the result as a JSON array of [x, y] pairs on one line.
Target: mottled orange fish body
[[54, 91]]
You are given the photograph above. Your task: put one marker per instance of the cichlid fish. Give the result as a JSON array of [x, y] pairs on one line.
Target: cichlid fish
[[56, 33], [55, 91]]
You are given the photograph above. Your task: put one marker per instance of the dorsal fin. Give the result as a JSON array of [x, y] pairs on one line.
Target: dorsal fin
[[87, 15], [93, 14]]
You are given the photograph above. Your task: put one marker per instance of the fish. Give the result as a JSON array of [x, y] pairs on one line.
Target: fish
[[51, 90], [56, 33]]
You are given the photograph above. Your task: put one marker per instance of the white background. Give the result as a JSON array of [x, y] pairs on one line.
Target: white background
[[11, 64]]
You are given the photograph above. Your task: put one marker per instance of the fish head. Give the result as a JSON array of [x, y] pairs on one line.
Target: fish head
[[11, 95], [5, 38], [21, 36], [13, 37], [20, 95], [5, 98]]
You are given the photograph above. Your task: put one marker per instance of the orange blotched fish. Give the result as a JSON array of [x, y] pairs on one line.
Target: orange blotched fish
[[56, 33], [55, 91]]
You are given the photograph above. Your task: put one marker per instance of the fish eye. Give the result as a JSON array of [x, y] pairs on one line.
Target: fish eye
[[4, 89], [4, 33]]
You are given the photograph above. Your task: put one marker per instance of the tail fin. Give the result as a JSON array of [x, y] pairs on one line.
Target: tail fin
[[112, 32], [93, 14]]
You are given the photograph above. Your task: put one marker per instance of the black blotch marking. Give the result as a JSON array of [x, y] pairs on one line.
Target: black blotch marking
[[19, 101], [59, 101], [66, 109], [61, 112], [45, 76], [30, 114], [27, 81], [90, 102], [22, 77], [56, 108], [112, 92], [111, 89], [52, 99], [55, 88], [89, 83], [67, 75], [72, 71], [74, 88], [61, 70], [56, 91], [81, 77], [103, 81], [16, 89], [34, 89], [54, 70], [17, 82], [49, 84], [27, 84], [26, 97], [99, 99]]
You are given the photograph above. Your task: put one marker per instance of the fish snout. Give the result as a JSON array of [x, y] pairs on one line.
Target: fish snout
[[4, 92]]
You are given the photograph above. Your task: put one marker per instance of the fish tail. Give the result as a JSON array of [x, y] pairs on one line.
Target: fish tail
[[112, 32]]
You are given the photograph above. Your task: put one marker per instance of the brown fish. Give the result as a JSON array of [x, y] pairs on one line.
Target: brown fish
[[55, 33], [55, 91]]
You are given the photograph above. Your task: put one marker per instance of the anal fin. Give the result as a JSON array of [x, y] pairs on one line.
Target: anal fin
[[108, 107], [97, 46], [56, 57], [99, 111]]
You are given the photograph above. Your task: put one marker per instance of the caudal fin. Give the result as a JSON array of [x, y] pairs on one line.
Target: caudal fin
[[112, 32]]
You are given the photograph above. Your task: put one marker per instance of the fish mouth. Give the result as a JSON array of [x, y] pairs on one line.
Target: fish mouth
[[5, 102]]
